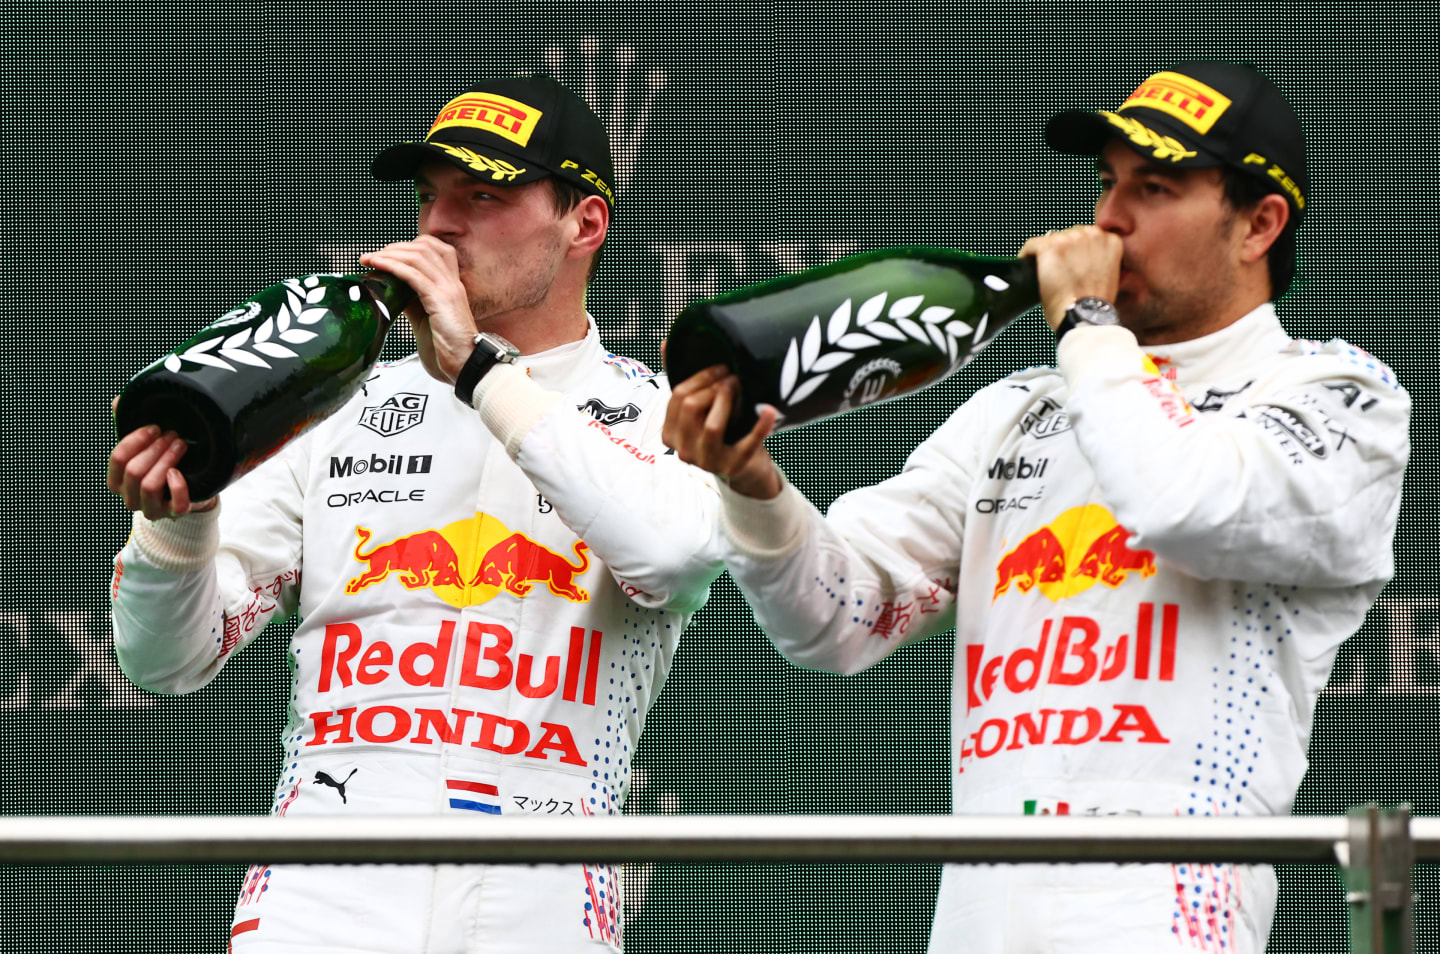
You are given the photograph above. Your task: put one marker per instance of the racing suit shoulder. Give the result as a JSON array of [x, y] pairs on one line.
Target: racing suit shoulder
[[1297, 480], [599, 458]]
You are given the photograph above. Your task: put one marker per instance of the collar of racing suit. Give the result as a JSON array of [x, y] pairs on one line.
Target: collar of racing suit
[[1251, 339], [567, 364]]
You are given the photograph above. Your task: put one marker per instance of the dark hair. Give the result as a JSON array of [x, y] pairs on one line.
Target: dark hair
[[1242, 193], [565, 196]]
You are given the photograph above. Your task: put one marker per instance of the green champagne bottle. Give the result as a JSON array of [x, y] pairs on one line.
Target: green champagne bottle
[[264, 373], [864, 329]]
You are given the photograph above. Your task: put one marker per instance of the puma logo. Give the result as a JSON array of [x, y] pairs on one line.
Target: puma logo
[[323, 778]]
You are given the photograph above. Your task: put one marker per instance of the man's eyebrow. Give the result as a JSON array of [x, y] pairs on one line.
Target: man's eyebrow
[[1172, 173]]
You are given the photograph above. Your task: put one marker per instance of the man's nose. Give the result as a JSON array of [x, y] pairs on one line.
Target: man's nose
[[444, 217], [1111, 215]]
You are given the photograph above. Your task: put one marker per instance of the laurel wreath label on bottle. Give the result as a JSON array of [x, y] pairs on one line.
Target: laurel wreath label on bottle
[[251, 346], [810, 359]]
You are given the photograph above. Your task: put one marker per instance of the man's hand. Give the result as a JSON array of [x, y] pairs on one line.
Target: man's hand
[[695, 429], [444, 328], [1080, 262], [142, 468]]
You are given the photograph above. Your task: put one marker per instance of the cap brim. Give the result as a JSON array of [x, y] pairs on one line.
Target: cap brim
[[1078, 132], [403, 161], [1083, 132]]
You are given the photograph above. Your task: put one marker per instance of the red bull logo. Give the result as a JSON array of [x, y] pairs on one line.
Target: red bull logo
[[469, 562], [1081, 547], [517, 562], [1075, 653], [489, 660]]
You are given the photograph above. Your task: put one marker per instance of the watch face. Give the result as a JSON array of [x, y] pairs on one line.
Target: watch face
[[1095, 311], [497, 345]]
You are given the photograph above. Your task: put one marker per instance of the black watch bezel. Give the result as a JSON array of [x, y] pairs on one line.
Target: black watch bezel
[[490, 349], [1087, 311]]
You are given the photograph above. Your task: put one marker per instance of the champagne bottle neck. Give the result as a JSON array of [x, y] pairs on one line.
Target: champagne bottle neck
[[390, 291]]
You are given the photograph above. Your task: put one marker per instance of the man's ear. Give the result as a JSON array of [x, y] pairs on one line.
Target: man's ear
[[1266, 221], [593, 217]]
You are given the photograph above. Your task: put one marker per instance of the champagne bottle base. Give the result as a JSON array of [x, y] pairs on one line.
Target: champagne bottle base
[[695, 345], [210, 457]]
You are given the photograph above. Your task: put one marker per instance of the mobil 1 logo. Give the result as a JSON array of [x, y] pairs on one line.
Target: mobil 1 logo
[[380, 464], [1019, 469]]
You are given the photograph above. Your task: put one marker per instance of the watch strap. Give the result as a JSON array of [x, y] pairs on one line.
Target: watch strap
[[482, 359], [1067, 324]]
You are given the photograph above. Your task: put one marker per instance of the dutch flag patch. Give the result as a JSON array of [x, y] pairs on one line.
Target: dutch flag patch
[[473, 796]]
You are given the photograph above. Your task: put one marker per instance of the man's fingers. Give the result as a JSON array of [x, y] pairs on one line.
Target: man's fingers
[[155, 481], [719, 413], [700, 380], [746, 447], [179, 491], [765, 415], [139, 467], [130, 445]]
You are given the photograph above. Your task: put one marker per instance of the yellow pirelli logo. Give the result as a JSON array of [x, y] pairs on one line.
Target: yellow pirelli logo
[[500, 115], [1188, 100]]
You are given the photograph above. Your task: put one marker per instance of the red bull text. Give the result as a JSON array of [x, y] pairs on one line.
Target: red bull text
[[1076, 657], [488, 662]]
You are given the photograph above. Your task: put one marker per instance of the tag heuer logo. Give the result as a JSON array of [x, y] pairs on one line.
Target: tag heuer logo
[[1045, 419], [399, 412]]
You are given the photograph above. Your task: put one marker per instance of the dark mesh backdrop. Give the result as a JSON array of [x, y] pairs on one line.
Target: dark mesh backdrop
[[162, 162]]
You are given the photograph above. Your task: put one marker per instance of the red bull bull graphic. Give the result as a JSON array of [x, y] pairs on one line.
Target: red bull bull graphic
[[469, 562], [1081, 547], [417, 559], [517, 561]]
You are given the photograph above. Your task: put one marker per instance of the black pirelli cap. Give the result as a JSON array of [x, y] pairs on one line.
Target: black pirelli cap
[[1200, 115]]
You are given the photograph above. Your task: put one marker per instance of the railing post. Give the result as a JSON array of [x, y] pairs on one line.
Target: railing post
[[1375, 866]]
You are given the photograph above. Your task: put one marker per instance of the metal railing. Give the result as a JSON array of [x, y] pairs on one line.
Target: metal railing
[[1374, 849]]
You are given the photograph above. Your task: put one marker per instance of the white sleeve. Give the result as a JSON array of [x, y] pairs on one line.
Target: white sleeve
[[1301, 486], [190, 591], [649, 516], [843, 591]]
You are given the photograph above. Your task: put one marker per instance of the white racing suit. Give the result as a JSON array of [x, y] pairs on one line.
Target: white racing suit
[[1149, 563], [484, 630]]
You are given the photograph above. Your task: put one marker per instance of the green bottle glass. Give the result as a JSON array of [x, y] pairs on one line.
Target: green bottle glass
[[864, 329], [264, 373]]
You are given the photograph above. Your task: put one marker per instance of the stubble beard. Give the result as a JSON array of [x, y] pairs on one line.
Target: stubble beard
[[1164, 312], [528, 286]]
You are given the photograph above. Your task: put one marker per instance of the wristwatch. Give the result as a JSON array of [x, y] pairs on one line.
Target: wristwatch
[[1087, 311], [490, 350]]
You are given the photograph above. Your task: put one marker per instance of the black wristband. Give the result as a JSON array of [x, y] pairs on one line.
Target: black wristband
[[490, 350]]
